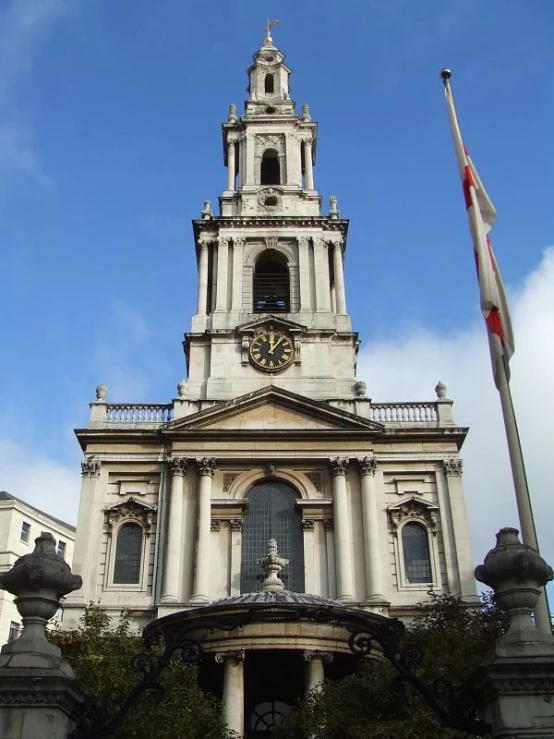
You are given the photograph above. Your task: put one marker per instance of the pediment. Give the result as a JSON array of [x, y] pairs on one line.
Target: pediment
[[276, 321], [273, 409]]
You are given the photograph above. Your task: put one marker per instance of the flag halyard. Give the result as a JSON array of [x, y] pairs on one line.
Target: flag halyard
[[482, 215]]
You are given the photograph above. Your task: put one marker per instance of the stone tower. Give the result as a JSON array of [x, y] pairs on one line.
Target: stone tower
[[271, 264]]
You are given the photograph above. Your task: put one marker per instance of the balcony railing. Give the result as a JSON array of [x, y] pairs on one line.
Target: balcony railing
[[404, 412]]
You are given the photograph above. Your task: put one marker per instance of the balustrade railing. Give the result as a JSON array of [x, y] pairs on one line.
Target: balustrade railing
[[154, 414], [403, 412]]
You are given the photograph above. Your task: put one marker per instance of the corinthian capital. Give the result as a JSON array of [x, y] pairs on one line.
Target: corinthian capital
[[177, 466], [453, 466], [90, 467], [233, 655], [339, 465], [206, 465], [368, 465]]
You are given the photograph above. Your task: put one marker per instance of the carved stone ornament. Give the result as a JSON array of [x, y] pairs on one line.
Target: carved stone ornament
[[440, 390], [360, 388], [329, 524], [306, 113], [233, 655], [271, 242], [101, 393], [206, 465], [315, 479], [236, 524], [239, 242], [270, 199], [207, 213], [177, 466], [182, 388], [333, 209], [368, 465], [228, 479], [416, 510], [133, 510], [90, 467], [272, 565], [310, 654], [232, 113], [453, 466], [270, 469], [339, 465], [270, 141], [207, 239], [308, 524], [215, 524]]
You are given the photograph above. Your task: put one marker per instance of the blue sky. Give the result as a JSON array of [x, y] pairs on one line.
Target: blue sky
[[110, 141]]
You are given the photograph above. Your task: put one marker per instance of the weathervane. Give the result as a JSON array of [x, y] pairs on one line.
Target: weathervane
[[267, 29]]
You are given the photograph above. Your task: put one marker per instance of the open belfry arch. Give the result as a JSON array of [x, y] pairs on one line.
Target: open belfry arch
[[271, 437]]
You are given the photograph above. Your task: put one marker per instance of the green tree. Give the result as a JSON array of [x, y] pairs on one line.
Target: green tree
[[101, 656], [453, 640]]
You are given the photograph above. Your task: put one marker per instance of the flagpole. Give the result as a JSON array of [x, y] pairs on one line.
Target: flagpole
[[523, 499], [499, 354]]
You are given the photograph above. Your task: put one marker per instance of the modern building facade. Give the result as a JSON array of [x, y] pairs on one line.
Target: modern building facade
[[272, 436], [20, 524]]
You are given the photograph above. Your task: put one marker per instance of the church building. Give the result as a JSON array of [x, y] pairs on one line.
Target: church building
[[271, 477]]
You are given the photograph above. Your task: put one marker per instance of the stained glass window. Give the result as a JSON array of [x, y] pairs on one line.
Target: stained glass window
[[128, 554], [417, 562], [272, 513]]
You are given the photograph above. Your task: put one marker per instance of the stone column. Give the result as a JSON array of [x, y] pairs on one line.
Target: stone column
[[345, 584], [233, 689], [314, 673], [39, 695], [329, 527], [238, 261], [200, 588], [308, 166], [222, 268], [372, 549], [231, 165], [322, 279], [202, 278], [339, 276], [172, 573], [513, 686]]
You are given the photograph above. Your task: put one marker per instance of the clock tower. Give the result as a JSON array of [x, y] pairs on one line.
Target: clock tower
[[271, 306]]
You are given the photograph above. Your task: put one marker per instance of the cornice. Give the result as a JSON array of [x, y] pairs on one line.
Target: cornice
[[257, 222]]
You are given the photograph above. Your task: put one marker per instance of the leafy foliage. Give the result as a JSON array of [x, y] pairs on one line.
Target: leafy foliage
[[101, 657], [454, 639]]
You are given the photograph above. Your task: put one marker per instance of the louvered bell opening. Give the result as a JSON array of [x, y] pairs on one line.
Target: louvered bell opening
[[271, 288]]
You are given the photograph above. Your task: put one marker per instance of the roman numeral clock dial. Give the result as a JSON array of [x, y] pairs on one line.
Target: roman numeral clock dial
[[271, 351]]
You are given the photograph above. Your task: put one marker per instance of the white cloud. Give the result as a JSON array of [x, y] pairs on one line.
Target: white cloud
[[43, 482], [407, 367], [24, 24]]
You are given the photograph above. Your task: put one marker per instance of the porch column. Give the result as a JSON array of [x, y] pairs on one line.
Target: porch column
[[172, 574], [372, 551], [202, 278], [308, 166], [200, 588], [345, 585], [233, 689], [314, 673], [338, 268]]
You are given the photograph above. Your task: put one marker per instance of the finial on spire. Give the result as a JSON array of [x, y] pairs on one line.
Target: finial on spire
[[267, 29]]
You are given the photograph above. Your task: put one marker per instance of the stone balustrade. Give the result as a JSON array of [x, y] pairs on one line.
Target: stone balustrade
[[409, 413], [139, 414]]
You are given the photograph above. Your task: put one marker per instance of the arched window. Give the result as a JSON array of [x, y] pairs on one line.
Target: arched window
[[417, 562], [269, 84], [272, 513], [270, 173], [271, 289], [128, 555]]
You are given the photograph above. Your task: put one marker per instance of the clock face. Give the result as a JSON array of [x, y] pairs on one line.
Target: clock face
[[271, 351]]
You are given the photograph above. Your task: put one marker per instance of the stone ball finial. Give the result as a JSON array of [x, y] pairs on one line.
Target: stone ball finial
[[182, 388], [516, 573], [101, 393], [440, 390]]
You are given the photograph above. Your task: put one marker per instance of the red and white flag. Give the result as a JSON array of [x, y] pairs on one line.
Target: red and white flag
[[482, 215]]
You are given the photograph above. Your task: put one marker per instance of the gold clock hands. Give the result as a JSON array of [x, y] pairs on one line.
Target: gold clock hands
[[276, 344], [271, 342]]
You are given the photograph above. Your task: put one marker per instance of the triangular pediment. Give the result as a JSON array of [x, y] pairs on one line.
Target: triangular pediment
[[276, 321], [273, 409]]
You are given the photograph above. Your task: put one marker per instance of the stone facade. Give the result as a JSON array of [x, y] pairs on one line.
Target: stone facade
[[271, 406]]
